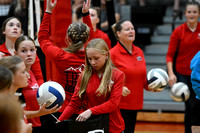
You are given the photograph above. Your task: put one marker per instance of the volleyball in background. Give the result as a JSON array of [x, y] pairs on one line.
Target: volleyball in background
[[157, 79], [51, 93], [180, 92]]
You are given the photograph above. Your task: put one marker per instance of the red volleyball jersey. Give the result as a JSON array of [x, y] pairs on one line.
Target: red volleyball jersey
[[104, 36], [36, 68], [99, 104], [68, 65], [134, 67], [187, 44], [29, 94]]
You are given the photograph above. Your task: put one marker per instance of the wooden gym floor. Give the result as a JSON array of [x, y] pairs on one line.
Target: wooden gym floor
[[152, 122], [159, 127]]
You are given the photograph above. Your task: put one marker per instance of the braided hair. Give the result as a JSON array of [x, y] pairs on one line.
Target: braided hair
[[77, 35]]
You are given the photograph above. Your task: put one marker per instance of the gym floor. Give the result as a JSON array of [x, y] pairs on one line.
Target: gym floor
[[159, 127]]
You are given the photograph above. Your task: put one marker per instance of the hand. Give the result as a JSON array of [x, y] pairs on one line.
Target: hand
[[125, 91], [86, 6], [84, 116], [172, 79], [44, 111], [50, 6], [25, 128]]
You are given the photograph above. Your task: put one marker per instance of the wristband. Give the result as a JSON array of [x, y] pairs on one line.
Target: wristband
[[85, 14]]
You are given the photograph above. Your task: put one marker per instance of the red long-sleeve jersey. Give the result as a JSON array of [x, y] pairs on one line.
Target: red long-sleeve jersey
[[68, 65], [99, 104], [187, 43], [134, 67], [104, 36], [29, 93]]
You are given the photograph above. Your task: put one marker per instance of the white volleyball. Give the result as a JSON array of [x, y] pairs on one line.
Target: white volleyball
[[51, 93], [157, 79], [180, 92]]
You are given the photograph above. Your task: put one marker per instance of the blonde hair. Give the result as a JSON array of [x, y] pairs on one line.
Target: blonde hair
[[77, 35], [105, 85]]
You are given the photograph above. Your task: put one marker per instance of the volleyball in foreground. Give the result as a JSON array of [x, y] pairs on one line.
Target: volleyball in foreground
[[180, 92], [157, 79], [51, 93]]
